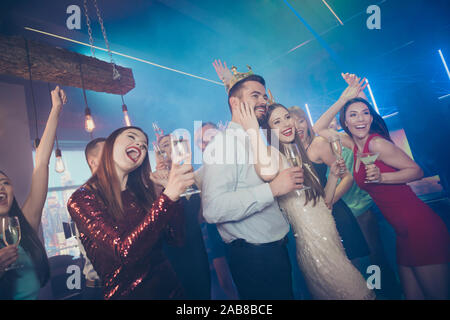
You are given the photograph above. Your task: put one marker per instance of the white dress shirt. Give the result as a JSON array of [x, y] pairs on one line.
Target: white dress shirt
[[234, 196]]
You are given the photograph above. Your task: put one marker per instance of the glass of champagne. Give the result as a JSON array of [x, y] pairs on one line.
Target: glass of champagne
[[180, 152], [336, 147], [161, 154], [368, 158], [11, 236], [294, 159]]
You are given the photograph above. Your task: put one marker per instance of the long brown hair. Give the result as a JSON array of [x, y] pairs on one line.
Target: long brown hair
[[310, 176], [31, 243], [106, 183]]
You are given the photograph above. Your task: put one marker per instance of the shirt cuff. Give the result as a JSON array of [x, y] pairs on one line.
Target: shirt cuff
[[263, 193]]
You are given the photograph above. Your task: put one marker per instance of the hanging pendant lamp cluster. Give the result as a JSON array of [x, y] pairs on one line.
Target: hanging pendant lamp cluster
[[89, 123]]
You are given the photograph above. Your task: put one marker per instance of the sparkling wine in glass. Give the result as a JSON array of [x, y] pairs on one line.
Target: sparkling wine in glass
[[161, 154], [368, 158], [180, 151], [11, 235], [294, 159], [336, 147]]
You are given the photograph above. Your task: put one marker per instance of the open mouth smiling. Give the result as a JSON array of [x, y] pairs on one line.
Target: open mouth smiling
[[287, 132], [260, 109], [3, 198], [133, 153]]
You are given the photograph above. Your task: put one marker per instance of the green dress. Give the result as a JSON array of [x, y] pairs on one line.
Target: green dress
[[26, 283], [356, 199]]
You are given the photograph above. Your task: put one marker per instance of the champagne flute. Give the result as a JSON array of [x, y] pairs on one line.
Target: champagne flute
[[161, 153], [11, 236], [368, 158], [180, 151], [294, 159], [336, 147], [158, 131]]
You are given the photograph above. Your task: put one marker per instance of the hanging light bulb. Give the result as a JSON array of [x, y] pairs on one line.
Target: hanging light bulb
[[126, 117], [59, 166], [89, 124]]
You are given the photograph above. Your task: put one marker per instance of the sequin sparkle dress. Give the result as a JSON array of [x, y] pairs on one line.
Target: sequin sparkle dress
[[320, 254], [127, 254]]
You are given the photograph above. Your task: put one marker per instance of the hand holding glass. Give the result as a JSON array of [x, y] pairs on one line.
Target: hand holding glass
[[294, 159], [161, 154], [336, 147], [11, 236], [180, 152], [368, 158]]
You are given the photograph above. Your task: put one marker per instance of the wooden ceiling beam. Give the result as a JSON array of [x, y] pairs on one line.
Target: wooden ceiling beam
[[61, 66]]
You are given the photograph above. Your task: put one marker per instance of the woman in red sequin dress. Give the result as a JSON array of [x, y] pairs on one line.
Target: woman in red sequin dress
[[423, 241], [122, 222]]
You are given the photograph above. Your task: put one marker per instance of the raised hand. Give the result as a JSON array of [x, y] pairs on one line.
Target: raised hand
[[286, 181], [181, 177], [222, 71], [338, 168], [246, 114], [160, 177], [348, 77], [8, 255], [355, 86], [59, 98]]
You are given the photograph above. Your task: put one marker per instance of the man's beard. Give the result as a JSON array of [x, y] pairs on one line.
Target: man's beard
[[262, 119]]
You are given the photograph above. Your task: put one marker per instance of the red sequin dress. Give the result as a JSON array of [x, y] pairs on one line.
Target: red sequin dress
[[127, 254], [422, 237]]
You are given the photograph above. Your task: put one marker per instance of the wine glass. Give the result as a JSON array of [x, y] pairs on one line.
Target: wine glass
[[11, 236], [336, 147], [158, 131], [180, 152], [294, 159], [161, 154], [368, 158]]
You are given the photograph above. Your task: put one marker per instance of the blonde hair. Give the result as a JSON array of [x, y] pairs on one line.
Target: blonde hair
[[299, 112]]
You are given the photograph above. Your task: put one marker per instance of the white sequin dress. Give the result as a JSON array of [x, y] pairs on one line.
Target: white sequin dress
[[320, 254]]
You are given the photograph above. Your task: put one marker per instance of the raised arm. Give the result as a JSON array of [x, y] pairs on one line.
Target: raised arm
[[321, 126], [267, 159], [34, 204], [348, 77], [395, 157], [222, 71]]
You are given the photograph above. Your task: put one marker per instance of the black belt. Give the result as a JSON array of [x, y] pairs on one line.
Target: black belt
[[243, 243]]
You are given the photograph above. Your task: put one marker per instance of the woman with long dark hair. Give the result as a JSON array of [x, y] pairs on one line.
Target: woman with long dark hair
[[328, 272], [122, 222], [24, 282], [423, 241]]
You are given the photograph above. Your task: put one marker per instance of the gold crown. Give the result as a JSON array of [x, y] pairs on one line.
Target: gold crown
[[236, 77]]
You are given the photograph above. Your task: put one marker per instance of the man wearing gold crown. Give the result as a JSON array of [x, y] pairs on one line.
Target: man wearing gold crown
[[242, 205]]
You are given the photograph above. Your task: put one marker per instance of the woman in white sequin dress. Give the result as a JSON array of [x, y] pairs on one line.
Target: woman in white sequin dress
[[320, 254]]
